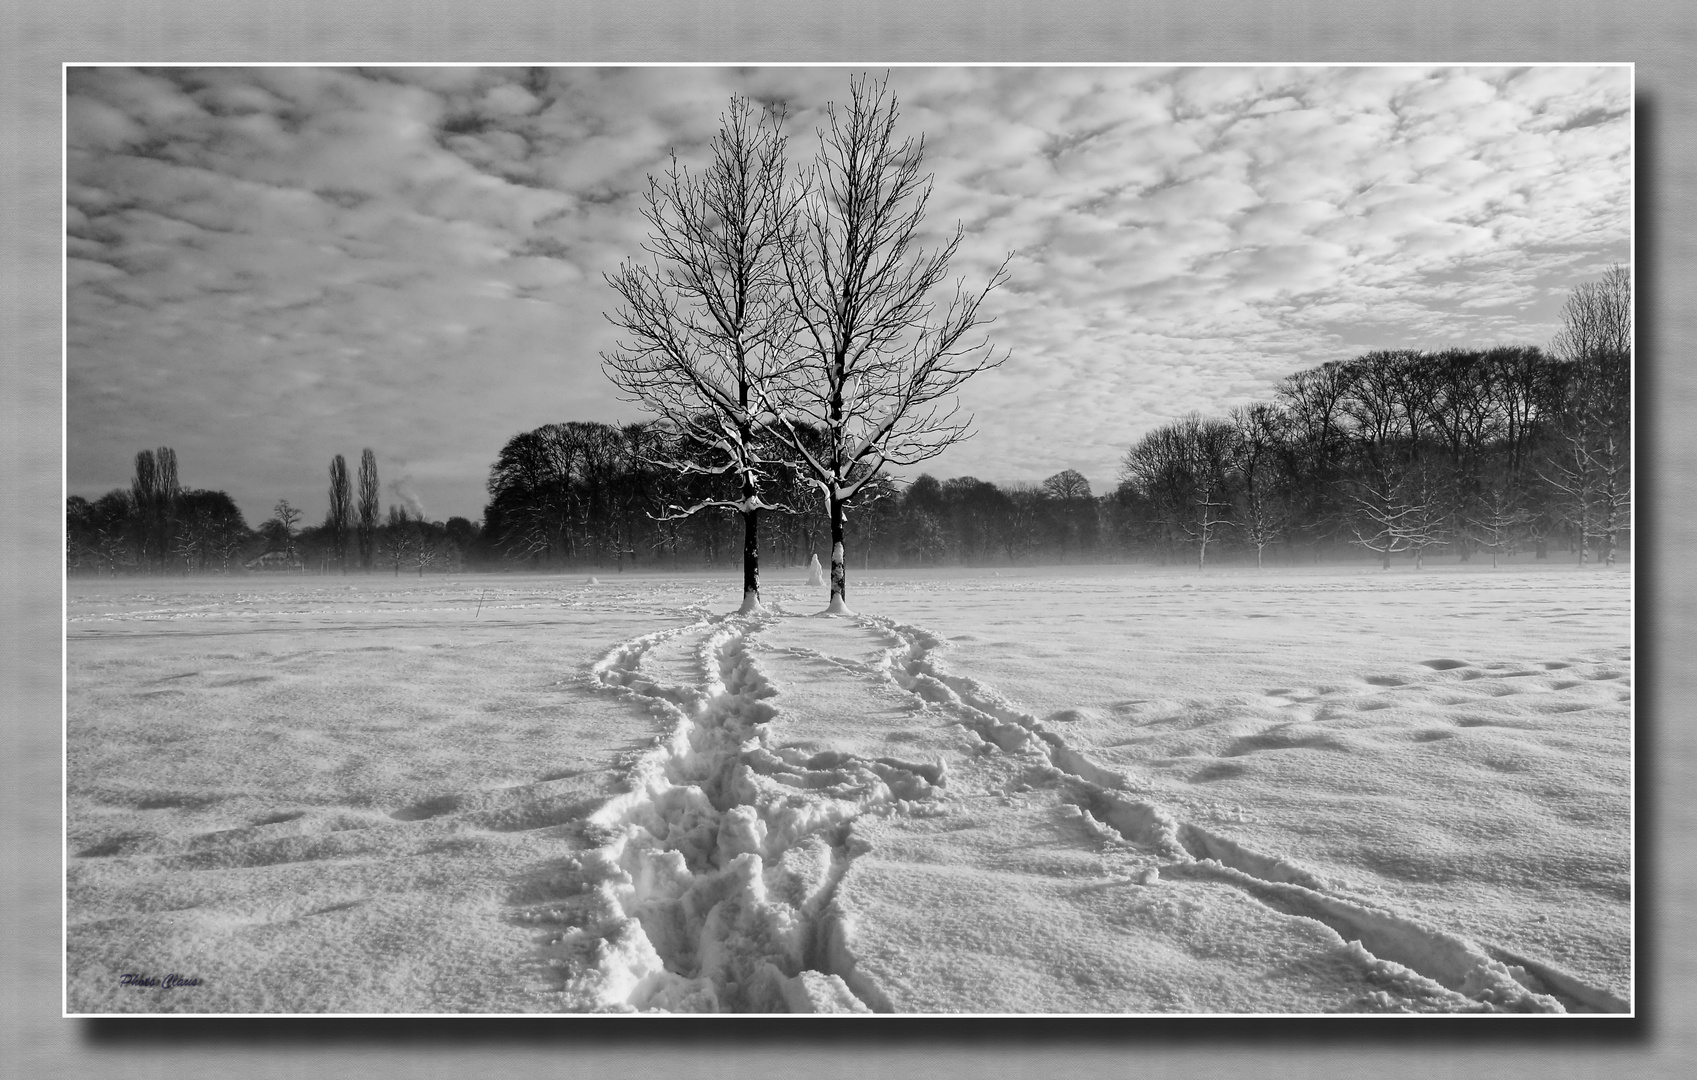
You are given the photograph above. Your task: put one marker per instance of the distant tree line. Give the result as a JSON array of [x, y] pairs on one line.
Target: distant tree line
[[1483, 453], [583, 495], [1495, 450], [157, 526]]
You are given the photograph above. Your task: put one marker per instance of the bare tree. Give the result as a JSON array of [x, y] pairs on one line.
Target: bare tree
[[402, 540], [1156, 475], [1074, 509], [1263, 513], [708, 322], [409, 540], [1498, 521], [1019, 526], [113, 515], [877, 360], [1591, 483], [1212, 446], [532, 488], [1185, 470], [1597, 319], [285, 517], [1314, 452], [153, 493], [366, 516], [1519, 383], [1593, 473], [144, 496], [165, 509], [339, 519], [1401, 511], [1461, 420]]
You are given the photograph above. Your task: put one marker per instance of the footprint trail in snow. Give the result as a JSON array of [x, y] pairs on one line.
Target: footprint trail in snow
[[711, 887], [715, 882]]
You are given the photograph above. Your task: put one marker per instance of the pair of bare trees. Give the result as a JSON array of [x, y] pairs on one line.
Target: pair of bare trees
[[348, 520], [789, 319]]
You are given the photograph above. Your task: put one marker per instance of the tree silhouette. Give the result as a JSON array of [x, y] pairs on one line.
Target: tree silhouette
[[366, 516], [1072, 509], [284, 516], [1592, 473], [339, 519], [153, 494], [1262, 512]]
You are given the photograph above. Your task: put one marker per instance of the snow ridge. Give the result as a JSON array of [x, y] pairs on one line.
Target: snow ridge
[[1459, 974], [712, 885]]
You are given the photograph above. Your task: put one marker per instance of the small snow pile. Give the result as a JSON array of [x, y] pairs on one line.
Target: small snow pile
[[815, 573], [593, 581]]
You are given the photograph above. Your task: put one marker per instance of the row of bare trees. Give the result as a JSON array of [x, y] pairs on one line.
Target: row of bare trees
[[157, 526], [402, 542], [1403, 452], [788, 321], [356, 535]]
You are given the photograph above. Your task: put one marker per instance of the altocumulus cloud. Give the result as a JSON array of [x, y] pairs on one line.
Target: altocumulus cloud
[[269, 266]]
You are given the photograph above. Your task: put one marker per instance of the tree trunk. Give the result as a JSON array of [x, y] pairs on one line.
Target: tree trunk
[[750, 555], [839, 564], [1606, 532]]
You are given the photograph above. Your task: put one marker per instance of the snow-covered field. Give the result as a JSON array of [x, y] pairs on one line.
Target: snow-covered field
[[1076, 790]]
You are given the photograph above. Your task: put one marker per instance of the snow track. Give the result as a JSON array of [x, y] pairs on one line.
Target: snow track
[[712, 884], [1447, 971]]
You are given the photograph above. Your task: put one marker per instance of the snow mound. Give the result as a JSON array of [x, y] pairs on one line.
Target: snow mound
[[815, 573]]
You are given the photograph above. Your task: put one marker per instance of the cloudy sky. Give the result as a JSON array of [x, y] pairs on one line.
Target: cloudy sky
[[268, 266]]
